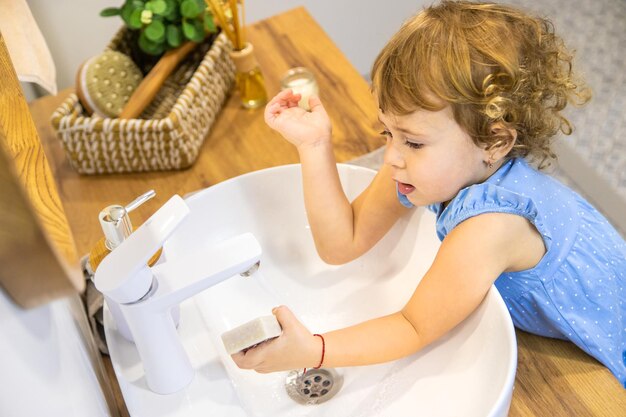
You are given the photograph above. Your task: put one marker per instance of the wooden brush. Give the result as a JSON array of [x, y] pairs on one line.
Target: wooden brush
[[152, 82]]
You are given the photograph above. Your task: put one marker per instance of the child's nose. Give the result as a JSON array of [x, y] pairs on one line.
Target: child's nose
[[393, 156]]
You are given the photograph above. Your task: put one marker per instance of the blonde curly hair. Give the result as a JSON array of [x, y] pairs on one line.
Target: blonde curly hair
[[491, 63]]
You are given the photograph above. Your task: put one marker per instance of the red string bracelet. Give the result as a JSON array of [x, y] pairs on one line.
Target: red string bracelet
[[323, 352]]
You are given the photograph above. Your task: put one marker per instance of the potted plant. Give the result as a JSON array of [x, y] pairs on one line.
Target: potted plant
[[164, 24]]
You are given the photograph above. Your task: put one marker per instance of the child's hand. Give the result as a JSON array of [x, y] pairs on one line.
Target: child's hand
[[295, 348], [300, 127]]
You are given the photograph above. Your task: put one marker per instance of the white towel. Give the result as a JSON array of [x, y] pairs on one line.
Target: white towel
[[27, 47]]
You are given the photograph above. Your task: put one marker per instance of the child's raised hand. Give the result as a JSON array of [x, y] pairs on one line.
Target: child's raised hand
[[295, 348], [300, 127]]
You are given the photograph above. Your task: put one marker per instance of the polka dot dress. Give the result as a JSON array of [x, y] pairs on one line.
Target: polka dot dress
[[576, 292]]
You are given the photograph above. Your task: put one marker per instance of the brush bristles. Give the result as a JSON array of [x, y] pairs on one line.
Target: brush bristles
[[104, 83]]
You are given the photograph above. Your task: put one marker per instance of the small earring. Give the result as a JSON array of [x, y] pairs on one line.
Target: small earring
[[489, 163]]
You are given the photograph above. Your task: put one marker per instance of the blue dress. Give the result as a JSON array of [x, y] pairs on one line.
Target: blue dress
[[576, 291]]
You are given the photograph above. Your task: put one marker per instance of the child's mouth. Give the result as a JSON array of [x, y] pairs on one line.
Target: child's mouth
[[405, 188]]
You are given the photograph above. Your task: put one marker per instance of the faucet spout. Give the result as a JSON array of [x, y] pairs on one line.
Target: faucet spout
[[189, 275]]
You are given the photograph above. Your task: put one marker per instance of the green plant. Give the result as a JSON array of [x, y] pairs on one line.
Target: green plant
[[164, 24]]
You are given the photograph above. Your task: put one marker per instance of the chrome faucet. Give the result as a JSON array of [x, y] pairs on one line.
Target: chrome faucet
[[126, 279]]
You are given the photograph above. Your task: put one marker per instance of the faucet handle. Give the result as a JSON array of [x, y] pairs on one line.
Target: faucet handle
[[124, 274]]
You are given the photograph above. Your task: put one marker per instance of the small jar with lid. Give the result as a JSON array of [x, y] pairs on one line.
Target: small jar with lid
[[301, 81]]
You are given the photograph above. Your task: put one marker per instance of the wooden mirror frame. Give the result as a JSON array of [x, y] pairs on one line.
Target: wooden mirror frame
[[38, 260]]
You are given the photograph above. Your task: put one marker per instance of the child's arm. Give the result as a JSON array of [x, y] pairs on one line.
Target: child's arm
[[342, 231], [471, 257]]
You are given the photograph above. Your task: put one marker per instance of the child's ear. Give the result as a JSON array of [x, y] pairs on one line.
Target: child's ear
[[505, 140]]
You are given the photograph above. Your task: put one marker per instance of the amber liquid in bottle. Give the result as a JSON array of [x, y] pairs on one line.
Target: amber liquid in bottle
[[249, 78], [251, 87]]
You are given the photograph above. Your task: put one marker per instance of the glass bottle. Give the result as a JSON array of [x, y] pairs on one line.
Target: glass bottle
[[249, 78]]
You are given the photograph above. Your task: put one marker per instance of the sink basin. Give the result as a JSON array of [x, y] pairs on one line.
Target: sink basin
[[469, 372]]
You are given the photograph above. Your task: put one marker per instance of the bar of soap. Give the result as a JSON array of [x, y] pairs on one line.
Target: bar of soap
[[251, 334]]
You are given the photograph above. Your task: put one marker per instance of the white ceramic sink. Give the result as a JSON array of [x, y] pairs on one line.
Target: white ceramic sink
[[468, 373]]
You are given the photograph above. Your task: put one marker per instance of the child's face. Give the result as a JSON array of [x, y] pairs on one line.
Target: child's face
[[431, 157]]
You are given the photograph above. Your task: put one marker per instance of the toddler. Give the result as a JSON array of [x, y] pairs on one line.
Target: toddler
[[467, 93]]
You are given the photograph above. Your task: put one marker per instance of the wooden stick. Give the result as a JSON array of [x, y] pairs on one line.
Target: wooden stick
[[218, 12], [235, 13], [243, 22]]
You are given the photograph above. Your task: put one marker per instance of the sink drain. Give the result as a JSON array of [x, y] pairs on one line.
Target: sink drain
[[315, 386]]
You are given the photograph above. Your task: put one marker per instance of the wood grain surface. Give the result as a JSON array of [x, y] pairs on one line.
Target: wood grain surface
[[554, 378], [37, 254]]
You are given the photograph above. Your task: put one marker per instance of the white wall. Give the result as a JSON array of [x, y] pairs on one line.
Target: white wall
[[75, 31], [360, 28]]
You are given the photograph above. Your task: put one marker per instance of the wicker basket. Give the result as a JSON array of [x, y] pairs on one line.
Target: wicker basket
[[169, 133]]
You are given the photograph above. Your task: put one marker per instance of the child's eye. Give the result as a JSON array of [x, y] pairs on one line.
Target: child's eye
[[413, 145]]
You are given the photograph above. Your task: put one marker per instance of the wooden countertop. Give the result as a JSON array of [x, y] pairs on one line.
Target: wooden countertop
[[554, 378]]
